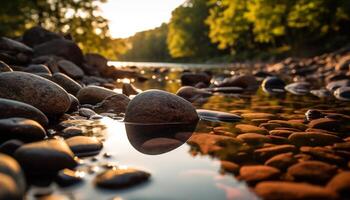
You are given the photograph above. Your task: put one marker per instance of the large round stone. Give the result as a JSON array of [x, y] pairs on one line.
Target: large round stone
[[43, 94], [155, 106], [10, 108], [45, 157], [67, 83], [94, 94]]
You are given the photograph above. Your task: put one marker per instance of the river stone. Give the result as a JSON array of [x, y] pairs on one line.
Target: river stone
[[86, 112], [38, 35], [312, 114], [277, 190], [281, 161], [9, 147], [37, 69], [191, 79], [70, 85], [62, 48], [212, 115], [321, 93], [247, 128], [84, 145], [10, 166], [9, 45], [342, 93], [39, 92], [332, 86], [247, 82], [229, 166], [268, 152], [10, 108], [155, 106], [313, 139], [20, 128], [253, 138], [4, 67], [312, 171], [44, 157], [298, 88], [273, 85], [192, 94], [326, 124], [68, 177], [74, 103], [129, 89], [340, 183], [120, 178], [70, 69], [8, 189], [113, 104], [257, 173], [94, 94], [323, 154]]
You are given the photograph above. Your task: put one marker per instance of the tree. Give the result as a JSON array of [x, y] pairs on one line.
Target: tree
[[188, 34], [81, 19]]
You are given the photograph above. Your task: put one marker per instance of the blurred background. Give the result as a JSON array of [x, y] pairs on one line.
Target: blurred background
[[188, 31]]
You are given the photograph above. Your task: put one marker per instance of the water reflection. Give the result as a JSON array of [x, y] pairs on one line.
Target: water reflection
[[155, 139]]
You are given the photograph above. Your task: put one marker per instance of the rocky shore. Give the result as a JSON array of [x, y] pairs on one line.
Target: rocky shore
[[47, 86]]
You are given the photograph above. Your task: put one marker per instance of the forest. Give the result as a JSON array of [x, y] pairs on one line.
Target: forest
[[198, 31]]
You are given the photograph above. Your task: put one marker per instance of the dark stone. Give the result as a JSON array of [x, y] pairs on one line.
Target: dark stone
[[155, 106], [192, 79], [129, 89], [298, 88], [316, 172], [281, 161], [192, 94], [62, 48], [84, 145], [9, 147], [342, 93], [256, 173], [34, 90], [45, 157], [70, 85], [312, 114], [4, 67], [22, 129], [277, 190], [211, 115], [313, 139], [113, 104], [10, 108], [247, 82], [37, 69], [38, 35], [273, 85], [74, 103], [326, 124], [67, 177], [120, 178], [10, 167], [93, 94], [70, 69]]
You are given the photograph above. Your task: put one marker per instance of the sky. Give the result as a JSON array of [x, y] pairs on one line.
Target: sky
[[126, 17]]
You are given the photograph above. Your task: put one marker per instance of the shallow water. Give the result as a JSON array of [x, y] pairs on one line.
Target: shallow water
[[185, 172]]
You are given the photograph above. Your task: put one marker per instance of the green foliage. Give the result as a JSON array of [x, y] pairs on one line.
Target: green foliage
[[147, 45], [81, 19], [188, 34]]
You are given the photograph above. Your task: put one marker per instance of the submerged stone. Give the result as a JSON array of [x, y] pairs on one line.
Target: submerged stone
[[211, 115]]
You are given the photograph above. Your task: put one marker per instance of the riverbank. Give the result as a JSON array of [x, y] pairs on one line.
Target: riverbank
[[74, 127]]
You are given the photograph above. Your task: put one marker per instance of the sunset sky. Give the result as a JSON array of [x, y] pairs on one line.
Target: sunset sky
[[130, 16]]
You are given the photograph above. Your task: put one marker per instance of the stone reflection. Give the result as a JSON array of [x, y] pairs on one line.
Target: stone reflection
[[155, 139]]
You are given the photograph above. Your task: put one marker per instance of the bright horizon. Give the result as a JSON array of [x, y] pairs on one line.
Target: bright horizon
[[127, 17]]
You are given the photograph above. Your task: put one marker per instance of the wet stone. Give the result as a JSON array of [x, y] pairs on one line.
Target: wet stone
[[4, 67], [228, 166], [93, 94], [313, 139], [120, 178], [258, 116], [9, 147], [10, 108], [70, 69], [298, 88], [113, 104], [326, 124], [41, 93], [281, 161], [155, 106], [323, 154], [256, 173], [342, 93], [246, 128], [45, 157], [10, 167], [193, 94], [68, 177], [84, 145], [276, 190], [340, 184], [313, 114], [74, 103], [281, 133], [158, 145], [23, 129], [70, 85], [86, 112], [273, 85], [268, 152], [253, 138], [211, 115], [129, 89], [8, 189], [316, 172]]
